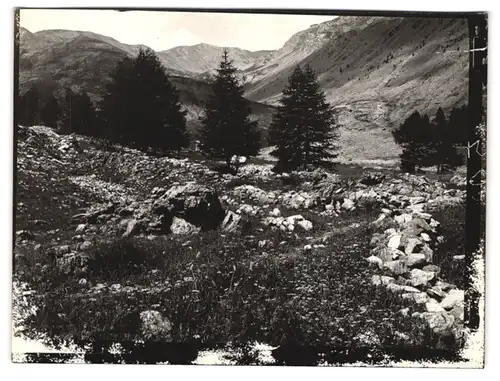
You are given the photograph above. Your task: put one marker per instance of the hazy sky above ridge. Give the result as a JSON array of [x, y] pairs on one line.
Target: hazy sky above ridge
[[164, 30]]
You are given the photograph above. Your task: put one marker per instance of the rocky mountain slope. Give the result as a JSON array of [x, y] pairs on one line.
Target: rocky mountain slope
[[202, 58], [374, 70]]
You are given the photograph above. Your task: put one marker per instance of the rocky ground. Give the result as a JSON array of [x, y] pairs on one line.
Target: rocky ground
[[115, 246]]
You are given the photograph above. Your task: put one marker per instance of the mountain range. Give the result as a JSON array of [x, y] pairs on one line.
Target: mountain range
[[375, 71]]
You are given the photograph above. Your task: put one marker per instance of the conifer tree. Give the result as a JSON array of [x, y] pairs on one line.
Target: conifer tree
[[227, 129], [78, 113], [29, 107], [446, 155], [458, 123], [50, 112], [141, 106], [303, 128], [415, 137]]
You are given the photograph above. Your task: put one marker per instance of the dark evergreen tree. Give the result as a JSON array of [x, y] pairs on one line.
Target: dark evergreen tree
[[78, 113], [446, 155], [458, 125], [440, 139], [227, 129], [49, 112], [114, 109], [29, 107], [142, 107], [415, 137], [303, 128]]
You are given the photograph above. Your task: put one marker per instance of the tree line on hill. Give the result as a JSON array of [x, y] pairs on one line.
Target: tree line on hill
[[428, 144], [140, 107]]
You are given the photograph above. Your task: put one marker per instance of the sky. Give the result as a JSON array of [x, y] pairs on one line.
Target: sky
[[164, 30]]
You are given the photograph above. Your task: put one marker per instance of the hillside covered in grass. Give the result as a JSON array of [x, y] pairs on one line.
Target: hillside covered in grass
[[118, 249]]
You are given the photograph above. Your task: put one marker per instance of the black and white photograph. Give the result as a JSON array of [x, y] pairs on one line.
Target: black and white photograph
[[249, 187]]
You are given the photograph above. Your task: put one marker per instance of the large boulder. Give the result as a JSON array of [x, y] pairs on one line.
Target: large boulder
[[196, 204]]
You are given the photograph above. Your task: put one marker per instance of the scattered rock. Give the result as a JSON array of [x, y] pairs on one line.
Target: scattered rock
[[24, 235], [420, 277], [412, 245], [394, 241], [80, 228], [415, 260], [458, 312], [347, 204], [397, 267], [403, 218], [288, 223], [436, 292], [432, 268], [254, 193], [197, 204], [86, 245], [444, 286], [440, 322], [154, 326], [378, 280], [305, 224], [404, 311], [397, 288], [182, 227], [372, 178], [132, 228], [428, 252], [454, 298], [373, 260], [425, 237], [433, 306], [296, 200], [63, 249], [247, 209], [231, 221], [70, 263], [418, 298], [275, 212]]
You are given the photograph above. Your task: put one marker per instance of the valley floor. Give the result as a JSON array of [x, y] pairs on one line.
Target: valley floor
[[290, 271]]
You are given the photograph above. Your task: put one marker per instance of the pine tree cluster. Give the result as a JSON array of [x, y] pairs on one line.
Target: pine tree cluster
[[428, 144]]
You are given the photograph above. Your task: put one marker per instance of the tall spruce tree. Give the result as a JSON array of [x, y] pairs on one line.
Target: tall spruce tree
[[446, 155], [303, 128], [142, 107], [50, 111], [227, 129], [415, 137], [78, 113]]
